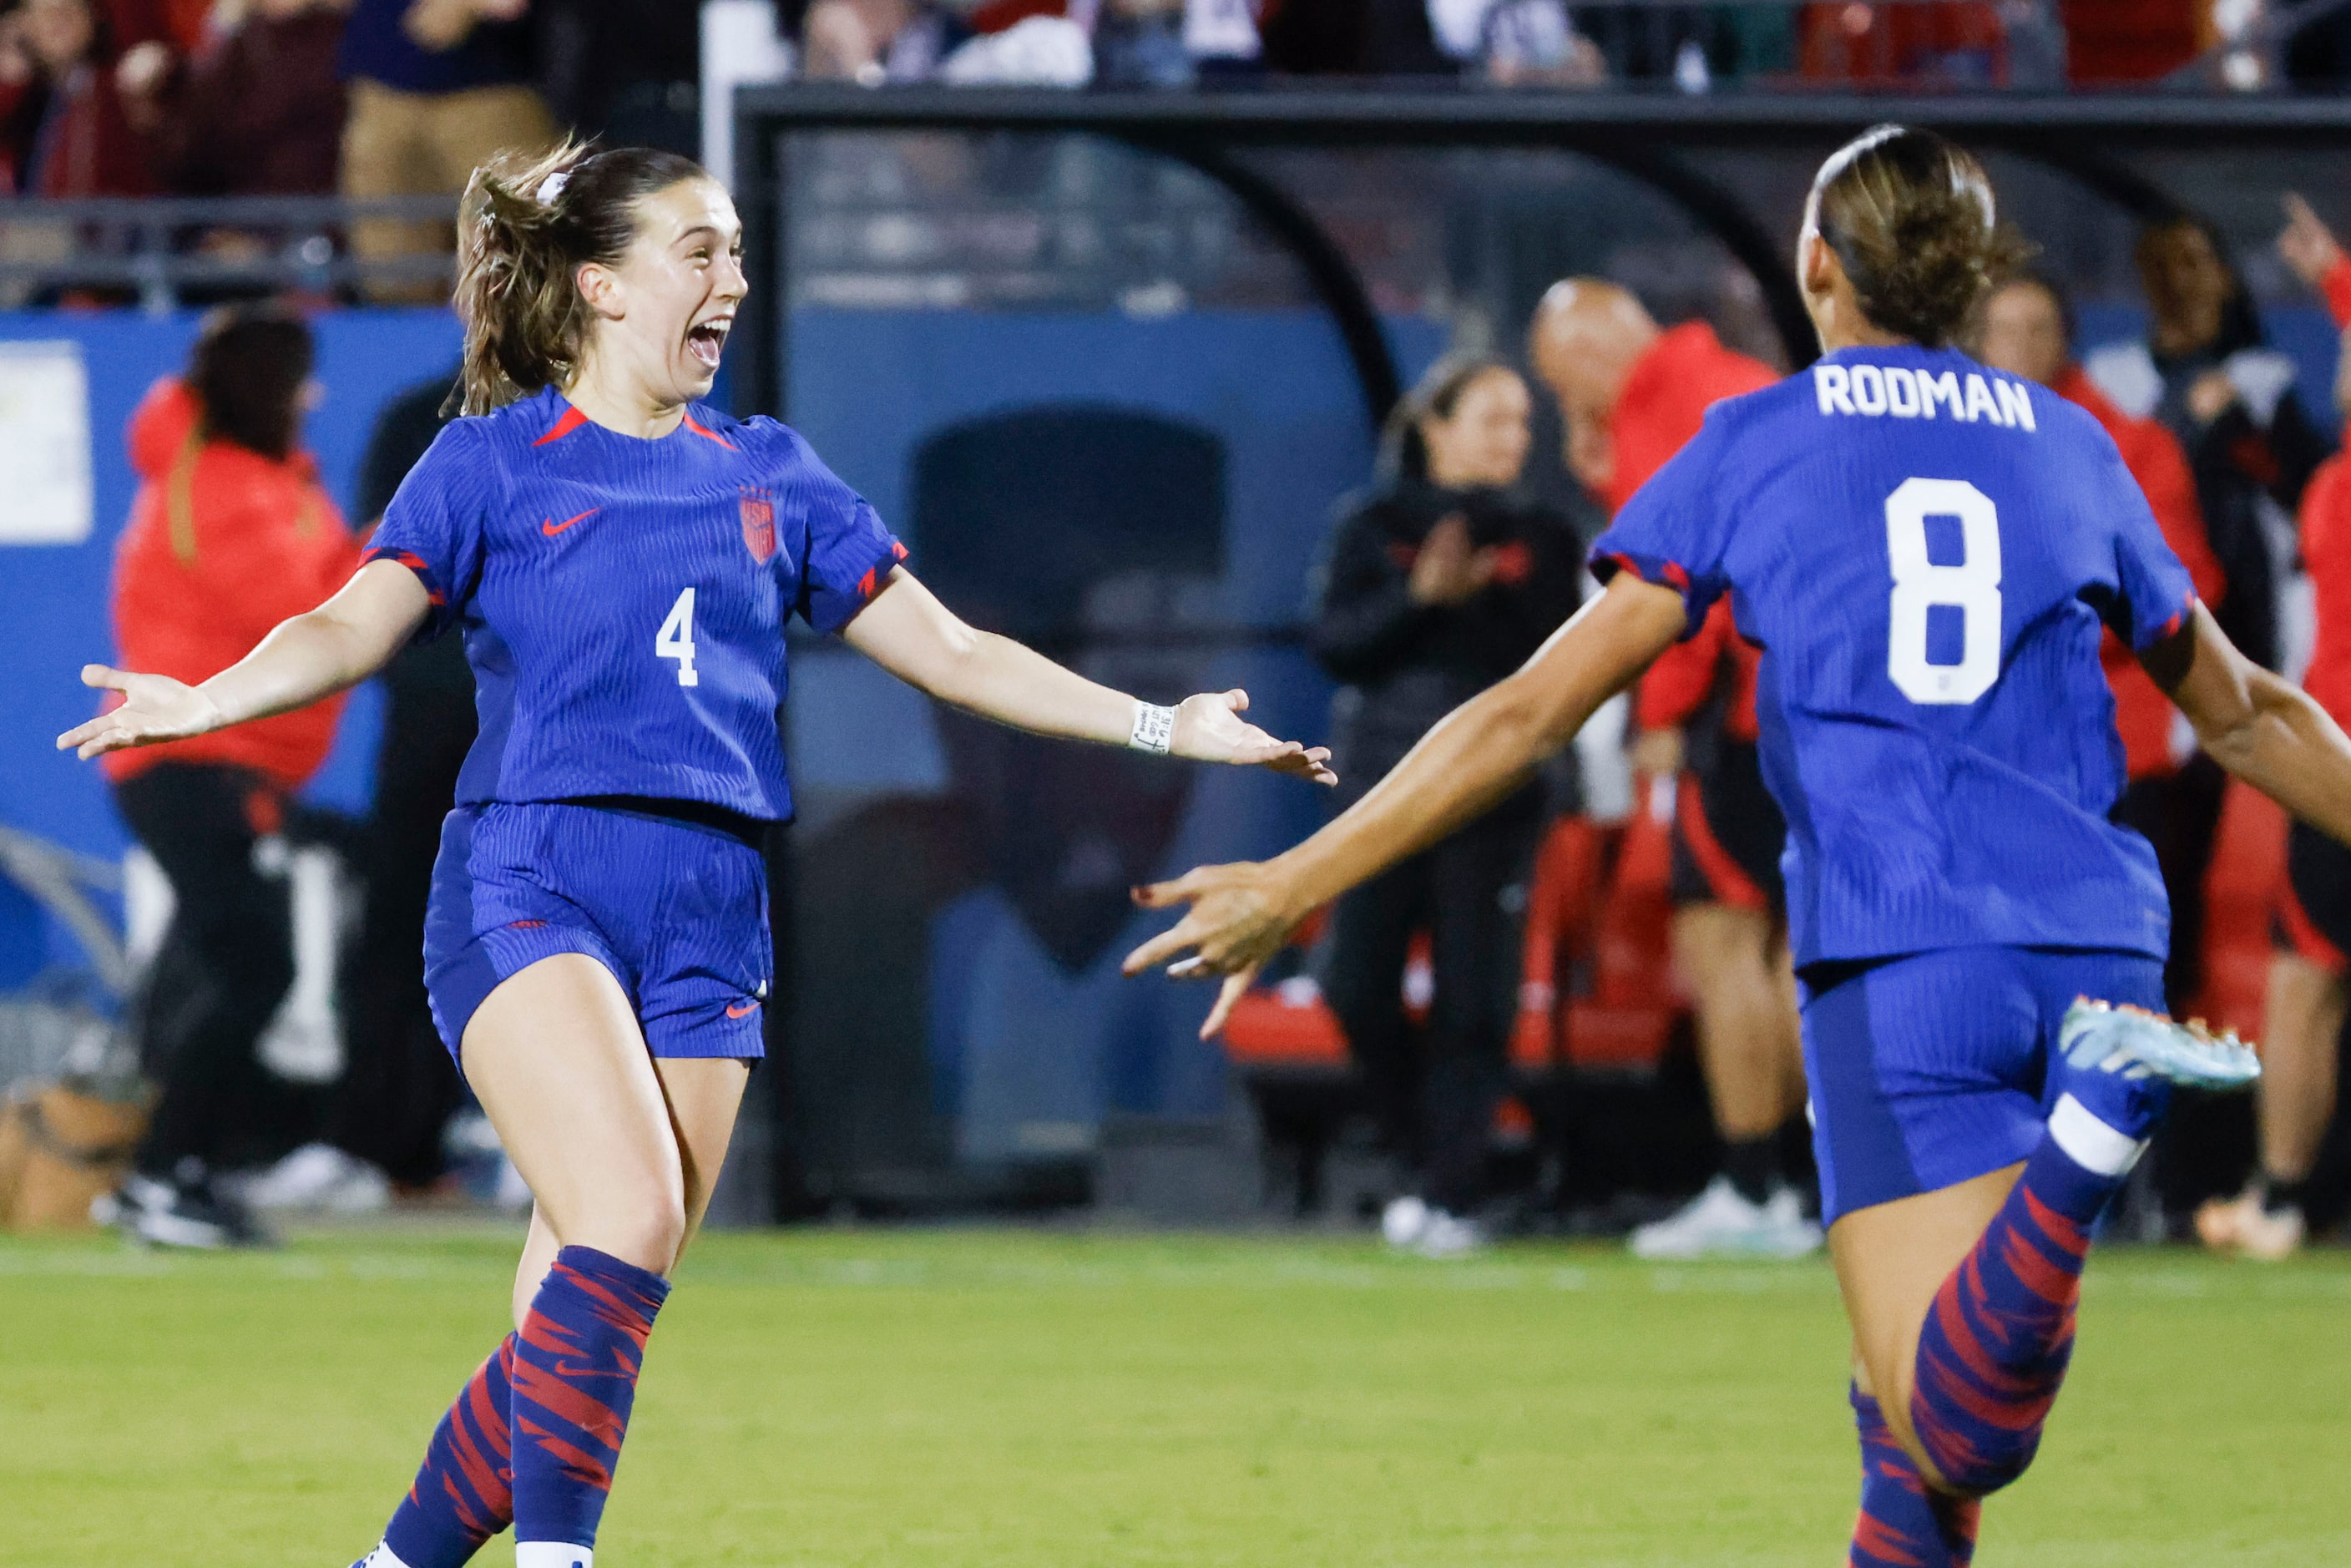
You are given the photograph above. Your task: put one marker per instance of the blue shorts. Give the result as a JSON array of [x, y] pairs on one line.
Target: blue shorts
[[1931, 1069], [677, 910]]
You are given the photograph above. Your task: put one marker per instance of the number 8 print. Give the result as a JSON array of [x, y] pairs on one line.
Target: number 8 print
[[1972, 587]]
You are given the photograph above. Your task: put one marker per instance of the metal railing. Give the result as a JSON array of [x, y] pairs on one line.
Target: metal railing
[[163, 249]]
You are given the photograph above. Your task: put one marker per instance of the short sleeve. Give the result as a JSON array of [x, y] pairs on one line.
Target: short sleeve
[[2155, 594], [1672, 531], [436, 522], [849, 552]]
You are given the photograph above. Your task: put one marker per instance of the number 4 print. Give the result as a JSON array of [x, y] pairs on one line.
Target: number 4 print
[[675, 639], [1972, 587]]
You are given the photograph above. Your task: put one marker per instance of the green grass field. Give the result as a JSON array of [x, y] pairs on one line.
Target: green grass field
[[1034, 1399]]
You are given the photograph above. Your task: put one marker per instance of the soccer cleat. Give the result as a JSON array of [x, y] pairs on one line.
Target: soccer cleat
[[1403, 1222], [2245, 1225], [321, 1179], [188, 1214], [1720, 1223], [1448, 1235], [2136, 1044]]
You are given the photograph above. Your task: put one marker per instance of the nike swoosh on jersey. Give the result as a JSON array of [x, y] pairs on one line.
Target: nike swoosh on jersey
[[742, 1011], [551, 527]]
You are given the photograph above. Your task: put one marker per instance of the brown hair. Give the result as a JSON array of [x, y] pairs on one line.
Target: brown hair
[[246, 372], [1403, 450], [519, 258], [1911, 216]]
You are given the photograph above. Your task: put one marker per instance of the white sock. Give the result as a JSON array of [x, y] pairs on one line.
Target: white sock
[[383, 1556], [553, 1554], [2090, 1143]]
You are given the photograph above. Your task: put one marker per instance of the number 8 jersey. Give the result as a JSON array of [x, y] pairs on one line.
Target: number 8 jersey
[[1925, 551], [622, 600]]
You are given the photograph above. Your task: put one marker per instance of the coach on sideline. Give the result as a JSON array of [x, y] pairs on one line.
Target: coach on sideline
[[1633, 394]]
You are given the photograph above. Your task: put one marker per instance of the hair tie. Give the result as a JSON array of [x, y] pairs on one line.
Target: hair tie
[[551, 187]]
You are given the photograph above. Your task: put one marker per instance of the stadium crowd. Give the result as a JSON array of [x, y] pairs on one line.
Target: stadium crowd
[[376, 98]]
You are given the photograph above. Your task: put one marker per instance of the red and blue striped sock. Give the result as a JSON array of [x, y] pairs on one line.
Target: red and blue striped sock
[[1998, 1336], [575, 1378], [1903, 1524], [464, 1492]]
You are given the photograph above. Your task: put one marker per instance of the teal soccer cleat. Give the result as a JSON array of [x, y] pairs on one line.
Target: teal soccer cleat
[[2136, 1044]]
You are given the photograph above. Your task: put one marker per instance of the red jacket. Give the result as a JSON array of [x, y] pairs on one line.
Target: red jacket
[[223, 545], [1685, 372], [2152, 453], [2326, 550]]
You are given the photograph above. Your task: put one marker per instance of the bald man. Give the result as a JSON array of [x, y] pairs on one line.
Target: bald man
[[1633, 394]]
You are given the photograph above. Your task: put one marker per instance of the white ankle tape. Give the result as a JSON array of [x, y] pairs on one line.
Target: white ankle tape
[[553, 1554], [2090, 1143]]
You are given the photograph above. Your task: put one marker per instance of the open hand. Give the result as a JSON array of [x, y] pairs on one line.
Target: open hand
[[1209, 728], [1450, 570], [2306, 244], [1239, 917], [154, 709]]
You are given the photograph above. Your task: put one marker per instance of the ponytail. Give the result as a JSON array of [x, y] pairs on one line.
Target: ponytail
[[525, 228]]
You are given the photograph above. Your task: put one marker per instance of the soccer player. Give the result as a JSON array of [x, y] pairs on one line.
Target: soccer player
[[2309, 977], [620, 558], [1925, 550], [1632, 395]]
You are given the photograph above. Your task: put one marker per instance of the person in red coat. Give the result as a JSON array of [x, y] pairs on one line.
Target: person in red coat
[[2310, 976], [230, 533], [1633, 394]]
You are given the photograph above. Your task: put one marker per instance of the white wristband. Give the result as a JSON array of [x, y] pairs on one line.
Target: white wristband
[[1155, 728]]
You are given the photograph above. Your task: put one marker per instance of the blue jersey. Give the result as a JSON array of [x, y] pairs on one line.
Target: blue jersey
[[622, 600], [1925, 553]]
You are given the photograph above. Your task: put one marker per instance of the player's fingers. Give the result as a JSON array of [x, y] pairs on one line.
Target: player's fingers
[[1234, 987], [84, 731], [1161, 948], [1167, 895], [106, 677], [104, 741], [1237, 700]]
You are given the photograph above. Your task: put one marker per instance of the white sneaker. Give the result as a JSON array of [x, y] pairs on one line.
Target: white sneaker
[[323, 1179], [1448, 1235], [1403, 1222], [1720, 1223]]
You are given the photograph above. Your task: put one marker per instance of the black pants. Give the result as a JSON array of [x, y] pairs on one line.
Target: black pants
[[1435, 1088], [2179, 813], [225, 964], [399, 1089]]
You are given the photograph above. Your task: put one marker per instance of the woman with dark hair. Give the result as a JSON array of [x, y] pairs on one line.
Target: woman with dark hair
[[2207, 373], [1926, 551], [1438, 581], [230, 533], [620, 557]]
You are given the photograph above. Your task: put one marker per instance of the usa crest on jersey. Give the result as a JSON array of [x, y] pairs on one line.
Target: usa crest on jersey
[[758, 527]]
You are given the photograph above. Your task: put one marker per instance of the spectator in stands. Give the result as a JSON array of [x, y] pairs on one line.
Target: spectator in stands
[[625, 70], [65, 127], [2310, 978], [230, 533], [1437, 582], [877, 41], [2205, 372], [436, 86], [259, 110], [1516, 43], [1632, 395], [2173, 797]]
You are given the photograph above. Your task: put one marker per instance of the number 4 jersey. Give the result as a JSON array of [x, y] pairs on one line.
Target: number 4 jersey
[[1925, 551], [622, 600]]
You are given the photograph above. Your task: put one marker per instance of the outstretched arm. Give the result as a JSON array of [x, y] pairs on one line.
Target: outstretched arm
[[1241, 914], [2256, 724], [313, 656], [907, 632]]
